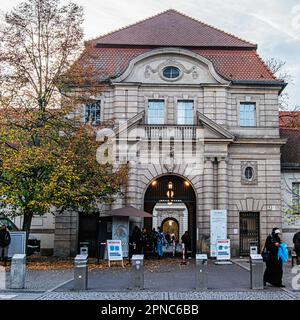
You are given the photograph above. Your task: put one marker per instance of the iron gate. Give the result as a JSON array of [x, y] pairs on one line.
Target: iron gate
[[249, 232]]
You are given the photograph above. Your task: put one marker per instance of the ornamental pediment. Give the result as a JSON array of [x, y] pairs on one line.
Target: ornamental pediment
[[171, 66]]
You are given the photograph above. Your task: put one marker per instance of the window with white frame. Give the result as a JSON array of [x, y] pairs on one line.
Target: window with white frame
[[93, 112], [247, 114], [185, 112], [296, 195], [156, 112]]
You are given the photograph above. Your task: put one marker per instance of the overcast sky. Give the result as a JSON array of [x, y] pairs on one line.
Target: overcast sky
[[273, 24]]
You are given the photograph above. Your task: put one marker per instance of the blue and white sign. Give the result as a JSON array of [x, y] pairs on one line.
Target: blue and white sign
[[223, 249], [114, 250]]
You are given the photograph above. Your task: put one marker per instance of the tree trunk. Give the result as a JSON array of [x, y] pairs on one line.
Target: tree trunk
[[27, 218]]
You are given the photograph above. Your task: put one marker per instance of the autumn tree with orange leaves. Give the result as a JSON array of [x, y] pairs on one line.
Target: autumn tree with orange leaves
[[47, 155]]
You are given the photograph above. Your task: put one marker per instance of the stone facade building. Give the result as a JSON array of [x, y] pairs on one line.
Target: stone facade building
[[200, 110], [290, 175]]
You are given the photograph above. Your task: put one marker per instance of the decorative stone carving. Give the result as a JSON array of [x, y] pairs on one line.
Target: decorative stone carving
[[253, 166], [170, 62]]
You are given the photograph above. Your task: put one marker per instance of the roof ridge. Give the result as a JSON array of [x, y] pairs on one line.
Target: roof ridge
[[178, 12], [270, 71], [129, 25], [213, 27]]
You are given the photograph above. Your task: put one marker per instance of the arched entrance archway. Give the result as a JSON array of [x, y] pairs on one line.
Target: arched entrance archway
[[171, 190], [170, 226]]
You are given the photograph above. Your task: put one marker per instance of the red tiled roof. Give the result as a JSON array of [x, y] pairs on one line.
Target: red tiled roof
[[289, 122], [172, 28], [244, 65], [290, 152], [234, 59], [289, 119]]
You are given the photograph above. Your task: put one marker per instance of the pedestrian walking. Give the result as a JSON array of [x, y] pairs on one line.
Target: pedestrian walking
[[274, 261], [4, 243], [161, 241], [186, 239], [168, 238], [296, 241]]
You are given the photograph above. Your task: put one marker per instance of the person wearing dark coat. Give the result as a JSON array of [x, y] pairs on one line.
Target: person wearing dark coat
[[273, 273], [137, 239], [296, 241], [186, 239], [4, 243]]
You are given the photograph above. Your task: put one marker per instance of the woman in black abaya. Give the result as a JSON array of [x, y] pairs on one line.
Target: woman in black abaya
[[273, 273]]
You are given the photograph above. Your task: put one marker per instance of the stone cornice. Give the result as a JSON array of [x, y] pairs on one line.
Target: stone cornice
[[271, 141]]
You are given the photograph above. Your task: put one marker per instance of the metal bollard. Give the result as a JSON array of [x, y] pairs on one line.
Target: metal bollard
[[201, 271], [256, 271], [18, 271], [81, 272], [138, 271]]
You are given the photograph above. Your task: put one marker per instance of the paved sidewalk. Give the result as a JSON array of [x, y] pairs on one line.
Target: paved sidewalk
[[154, 295], [166, 280], [288, 276]]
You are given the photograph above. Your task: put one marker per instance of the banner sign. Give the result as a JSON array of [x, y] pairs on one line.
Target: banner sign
[[114, 250], [223, 249], [120, 231], [17, 244], [218, 229]]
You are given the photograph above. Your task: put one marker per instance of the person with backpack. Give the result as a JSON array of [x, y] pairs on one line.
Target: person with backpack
[[4, 243], [161, 241], [296, 241], [275, 258]]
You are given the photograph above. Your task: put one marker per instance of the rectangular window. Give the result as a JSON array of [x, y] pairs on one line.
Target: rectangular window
[[247, 114], [185, 112], [156, 112], [93, 112], [296, 195]]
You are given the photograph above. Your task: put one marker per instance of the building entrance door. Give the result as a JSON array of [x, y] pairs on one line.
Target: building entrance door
[[249, 232], [171, 196]]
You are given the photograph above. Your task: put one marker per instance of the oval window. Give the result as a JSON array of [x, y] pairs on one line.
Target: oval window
[[171, 72], [249, 173]]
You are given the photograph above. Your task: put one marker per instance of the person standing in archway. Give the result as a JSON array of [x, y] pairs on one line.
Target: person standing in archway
[[161, 240], [186, 239]]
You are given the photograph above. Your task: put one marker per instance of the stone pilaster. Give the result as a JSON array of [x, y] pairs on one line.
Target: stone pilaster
[[208, 193], [222, 184]]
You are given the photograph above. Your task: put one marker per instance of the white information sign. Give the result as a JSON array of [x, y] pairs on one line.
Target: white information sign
[[114, 251], [223, 249], [17, 244], [218, 229]]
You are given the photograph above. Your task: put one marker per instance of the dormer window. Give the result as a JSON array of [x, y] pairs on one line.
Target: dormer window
[[93, 112], [171, 72]]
